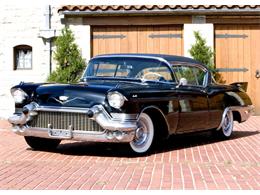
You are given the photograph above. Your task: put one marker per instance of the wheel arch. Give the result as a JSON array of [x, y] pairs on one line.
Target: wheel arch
[[240, 113], [239, 103], [157, 115]]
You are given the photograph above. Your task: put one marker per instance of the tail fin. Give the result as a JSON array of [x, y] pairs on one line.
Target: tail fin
[[242, 85]]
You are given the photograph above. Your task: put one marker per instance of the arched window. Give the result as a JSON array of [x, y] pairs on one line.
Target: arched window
[[22, 57]]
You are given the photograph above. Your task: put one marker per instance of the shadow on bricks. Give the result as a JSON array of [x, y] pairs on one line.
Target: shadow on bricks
[[174, 142]]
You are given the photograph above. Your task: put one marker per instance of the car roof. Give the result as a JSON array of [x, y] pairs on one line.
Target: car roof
[[169, 58]]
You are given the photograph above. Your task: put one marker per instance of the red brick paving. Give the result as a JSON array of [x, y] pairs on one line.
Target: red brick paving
[[191, 161]]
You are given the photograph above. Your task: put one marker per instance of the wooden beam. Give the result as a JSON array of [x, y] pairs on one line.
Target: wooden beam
[[137, 20], [233, 19]]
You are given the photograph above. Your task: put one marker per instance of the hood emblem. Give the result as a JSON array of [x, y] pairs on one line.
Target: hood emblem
[[63, 98]]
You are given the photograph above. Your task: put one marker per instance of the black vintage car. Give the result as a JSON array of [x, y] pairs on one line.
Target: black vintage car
[[132, 98]]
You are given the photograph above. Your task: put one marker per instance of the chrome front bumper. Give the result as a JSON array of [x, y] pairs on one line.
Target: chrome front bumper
[[105, 136], [117, 127]]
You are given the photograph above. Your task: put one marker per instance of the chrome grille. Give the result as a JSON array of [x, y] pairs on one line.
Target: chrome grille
[[63, 120]]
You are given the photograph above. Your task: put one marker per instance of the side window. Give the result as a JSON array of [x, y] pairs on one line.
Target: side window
[[111, 70], [190, 75], [22, 57], [160, 73]]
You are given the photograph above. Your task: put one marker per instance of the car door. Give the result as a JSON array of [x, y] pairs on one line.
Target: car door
[[192, 97]]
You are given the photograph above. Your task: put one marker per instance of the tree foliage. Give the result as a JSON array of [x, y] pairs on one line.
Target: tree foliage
[[204, 54], [70, 63], [201, 52]]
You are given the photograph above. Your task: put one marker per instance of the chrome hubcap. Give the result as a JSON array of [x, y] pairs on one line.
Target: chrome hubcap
[[141, 134], [227, 126], [227, 123]]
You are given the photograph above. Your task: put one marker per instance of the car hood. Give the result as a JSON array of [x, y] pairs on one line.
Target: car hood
[[72, 95], [85, 94]]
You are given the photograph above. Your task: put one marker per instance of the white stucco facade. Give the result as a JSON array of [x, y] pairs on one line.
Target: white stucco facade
[[26, 25], [20, 25], [206, 31]]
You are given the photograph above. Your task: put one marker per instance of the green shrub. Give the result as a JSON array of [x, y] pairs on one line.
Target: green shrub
[[70, 63], [204, 54]]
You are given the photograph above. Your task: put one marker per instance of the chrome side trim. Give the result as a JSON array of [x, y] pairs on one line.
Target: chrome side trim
[[244, 111]]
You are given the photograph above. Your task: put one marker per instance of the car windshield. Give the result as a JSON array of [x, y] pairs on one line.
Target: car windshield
[[129, 68]]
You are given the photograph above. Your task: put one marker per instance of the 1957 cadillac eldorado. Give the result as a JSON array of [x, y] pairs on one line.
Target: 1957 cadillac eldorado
[[132, 98]]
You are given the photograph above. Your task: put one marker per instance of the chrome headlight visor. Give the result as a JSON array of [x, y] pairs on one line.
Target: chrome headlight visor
[[116, 99], [19, 95]]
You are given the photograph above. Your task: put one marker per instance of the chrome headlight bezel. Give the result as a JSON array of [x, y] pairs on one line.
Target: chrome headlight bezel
[[19, 95], [116, 99]]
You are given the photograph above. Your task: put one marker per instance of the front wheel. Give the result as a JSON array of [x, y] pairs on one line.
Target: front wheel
[[39, 143], [144, 135]]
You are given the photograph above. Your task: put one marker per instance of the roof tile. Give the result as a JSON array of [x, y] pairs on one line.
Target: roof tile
[[150, 7]]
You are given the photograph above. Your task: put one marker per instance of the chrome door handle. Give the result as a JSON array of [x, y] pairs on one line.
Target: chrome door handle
[[257, 74]]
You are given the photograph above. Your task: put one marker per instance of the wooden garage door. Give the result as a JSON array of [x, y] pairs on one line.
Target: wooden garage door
[[237, 50], [137, 39]]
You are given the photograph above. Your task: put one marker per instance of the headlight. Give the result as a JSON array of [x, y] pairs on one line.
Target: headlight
[[19, 95], [116, 99]]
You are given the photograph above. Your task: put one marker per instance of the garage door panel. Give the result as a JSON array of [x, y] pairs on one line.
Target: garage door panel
[[124, 42], [150, 44], [132, 40], [164, 40], [136, 39], [237, 47]]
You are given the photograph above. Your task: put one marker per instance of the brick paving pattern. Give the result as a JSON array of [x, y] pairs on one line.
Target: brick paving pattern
[[191, 161]]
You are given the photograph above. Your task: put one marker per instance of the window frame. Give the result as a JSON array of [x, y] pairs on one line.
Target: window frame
[[87, 73], [185, 64], [15, 52]]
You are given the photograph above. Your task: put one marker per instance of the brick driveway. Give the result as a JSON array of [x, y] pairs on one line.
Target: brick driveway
[[194, 161]]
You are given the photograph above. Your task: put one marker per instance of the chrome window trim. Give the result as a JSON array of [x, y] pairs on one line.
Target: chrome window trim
[[133, 56]]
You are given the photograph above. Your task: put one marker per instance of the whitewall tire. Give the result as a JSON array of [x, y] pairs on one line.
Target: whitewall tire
[[144, 134], [227, 125]]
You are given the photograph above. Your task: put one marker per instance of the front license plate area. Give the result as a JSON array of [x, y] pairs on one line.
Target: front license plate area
[[60, 133]]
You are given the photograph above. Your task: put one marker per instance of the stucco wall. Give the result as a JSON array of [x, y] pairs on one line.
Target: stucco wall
[[21, 25]]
